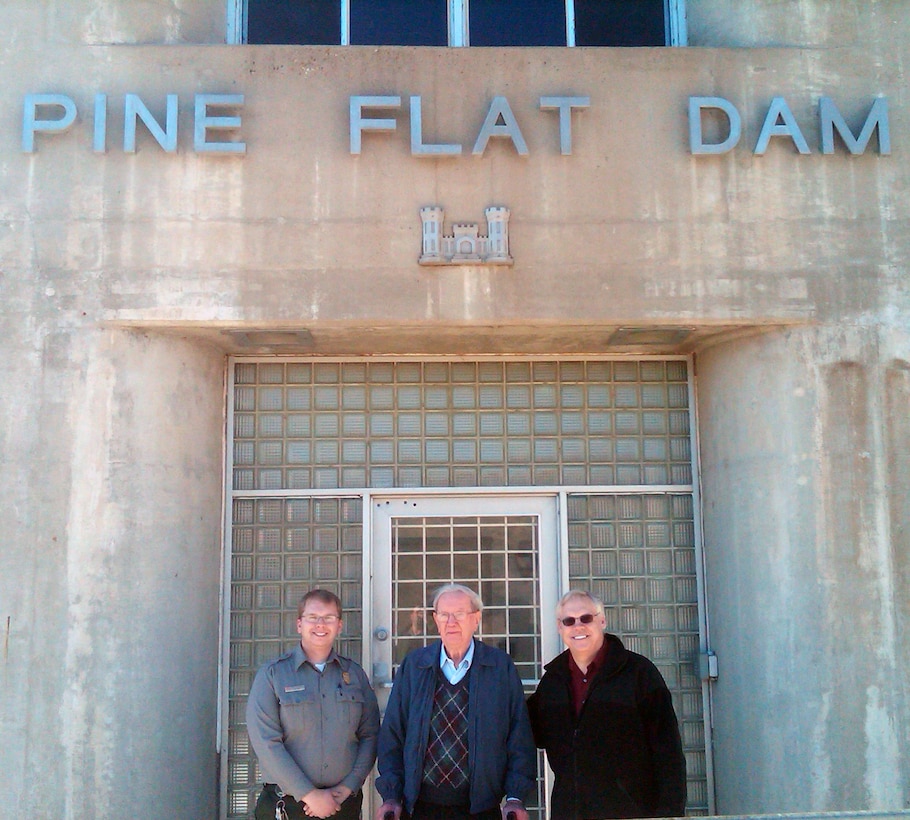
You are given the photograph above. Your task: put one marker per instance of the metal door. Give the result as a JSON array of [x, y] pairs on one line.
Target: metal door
[[503, 547]]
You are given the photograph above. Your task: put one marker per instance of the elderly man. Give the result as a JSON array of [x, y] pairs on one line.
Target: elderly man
[[313, 719], [455, 739], [605, 717]]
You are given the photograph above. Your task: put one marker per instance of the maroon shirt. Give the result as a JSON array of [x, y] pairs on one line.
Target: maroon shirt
[[581, 681]]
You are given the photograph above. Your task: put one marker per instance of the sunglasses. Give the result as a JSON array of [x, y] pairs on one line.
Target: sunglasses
[[587, 618]]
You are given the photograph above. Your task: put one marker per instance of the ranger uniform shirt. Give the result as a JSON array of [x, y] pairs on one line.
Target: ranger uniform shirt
[[313, 729]]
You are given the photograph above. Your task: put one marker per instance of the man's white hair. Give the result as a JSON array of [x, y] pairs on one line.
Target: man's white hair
[[573, 594], [476, 603]]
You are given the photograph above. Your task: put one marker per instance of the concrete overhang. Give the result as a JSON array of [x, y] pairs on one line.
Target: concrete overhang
[[456, 340]]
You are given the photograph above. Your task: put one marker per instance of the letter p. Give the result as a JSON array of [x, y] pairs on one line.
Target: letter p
[[31, 124]]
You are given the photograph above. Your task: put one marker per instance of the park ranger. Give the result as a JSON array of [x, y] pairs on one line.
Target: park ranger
[[313, 722]]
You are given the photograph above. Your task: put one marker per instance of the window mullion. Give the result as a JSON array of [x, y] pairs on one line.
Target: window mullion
[[345, 22], [458, 23], [677, 34], [570, 23], [236, 22]]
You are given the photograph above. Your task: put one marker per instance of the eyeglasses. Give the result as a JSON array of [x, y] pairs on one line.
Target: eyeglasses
[[587, 618], [328, 620], [458, 616]]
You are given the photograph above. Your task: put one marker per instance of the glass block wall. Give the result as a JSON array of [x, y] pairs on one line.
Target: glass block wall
[[345, 427], [305, 425], [280, 548], [637, 554]]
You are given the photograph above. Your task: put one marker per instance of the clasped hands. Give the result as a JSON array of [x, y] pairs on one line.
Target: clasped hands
[[324, 803]]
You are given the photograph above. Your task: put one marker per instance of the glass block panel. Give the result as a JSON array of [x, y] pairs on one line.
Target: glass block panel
[[353, 398], [545, 395], [265, 587], [244, 398], [436, 398], [409, 398], [326, 373], [270, 398], [572, 475], [245, 453], [326, 425], [299, 398], [545, 450], [572, 395], [287, 415], [518, 397], [636, 553], [627, 396], [326, 398], [436, 424], [654, 424], [244, 425], [652, 371], [546, 424], [464, 398], [653, 395], [245, 373]]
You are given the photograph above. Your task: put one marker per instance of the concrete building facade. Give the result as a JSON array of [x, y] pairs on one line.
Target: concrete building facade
[[668, 358]]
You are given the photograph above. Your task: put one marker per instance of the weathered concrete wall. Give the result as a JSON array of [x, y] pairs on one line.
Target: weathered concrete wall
[[109, 572], [804, 23], [805, 531], [50, 23], [291, 232]]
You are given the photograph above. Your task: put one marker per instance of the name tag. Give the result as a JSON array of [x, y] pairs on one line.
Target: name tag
[[294, 688]]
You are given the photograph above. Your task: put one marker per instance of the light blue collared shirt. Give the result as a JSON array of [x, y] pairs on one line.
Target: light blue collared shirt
[[456, 673]]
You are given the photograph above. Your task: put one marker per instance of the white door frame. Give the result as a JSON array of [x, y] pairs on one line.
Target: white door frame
[[377, 570]]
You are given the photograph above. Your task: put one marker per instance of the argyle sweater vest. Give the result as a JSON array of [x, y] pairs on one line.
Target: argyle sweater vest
[[445, 767]]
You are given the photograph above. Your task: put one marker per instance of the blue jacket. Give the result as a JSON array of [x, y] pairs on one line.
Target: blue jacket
[[503, 760]]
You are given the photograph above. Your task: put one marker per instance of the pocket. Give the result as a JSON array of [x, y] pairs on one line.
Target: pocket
[[296, 695], [350, 701], [299, 711]]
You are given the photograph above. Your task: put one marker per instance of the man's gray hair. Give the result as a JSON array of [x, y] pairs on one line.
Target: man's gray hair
[[476, 603], [574, 594]]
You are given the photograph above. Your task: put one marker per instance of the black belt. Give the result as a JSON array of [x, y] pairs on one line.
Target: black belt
[[273, 788]]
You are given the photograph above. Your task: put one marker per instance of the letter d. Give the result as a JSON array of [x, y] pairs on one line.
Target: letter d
[[697, 145]]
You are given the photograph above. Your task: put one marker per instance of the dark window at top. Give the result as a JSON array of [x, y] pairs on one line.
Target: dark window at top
[[424, 22], [518, 22], [619, 23], [313, 22], [399, 22]]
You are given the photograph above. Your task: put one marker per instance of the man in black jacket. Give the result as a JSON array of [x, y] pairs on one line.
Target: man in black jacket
[[606, 719]]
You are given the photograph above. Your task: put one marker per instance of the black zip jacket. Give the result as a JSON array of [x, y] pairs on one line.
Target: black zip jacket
[[622, 756]]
